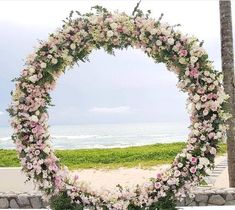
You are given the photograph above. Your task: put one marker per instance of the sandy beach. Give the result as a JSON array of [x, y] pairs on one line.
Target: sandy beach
[[12, 179]]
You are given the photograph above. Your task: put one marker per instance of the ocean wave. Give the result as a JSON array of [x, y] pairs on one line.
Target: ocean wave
[[7, 138], [73, 137]]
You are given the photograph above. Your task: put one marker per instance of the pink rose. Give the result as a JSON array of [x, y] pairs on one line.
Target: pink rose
[[183, 53], [204, 98], [193, 170], [159, 175], [158, 185], [193, 160], [211, 135], [177, 173], [194, 73]]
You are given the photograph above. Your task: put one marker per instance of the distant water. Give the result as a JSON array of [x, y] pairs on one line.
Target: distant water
[[107, 135]]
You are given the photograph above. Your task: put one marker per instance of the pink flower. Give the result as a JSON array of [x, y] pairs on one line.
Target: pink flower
[[158, 185], [193, 170], [194, 73], [183, 53], [76, 177], [193, 160], [37, 152], [159, 175], [211, 135], [192, 140], [204, 98], [177, 173], [29, 166]]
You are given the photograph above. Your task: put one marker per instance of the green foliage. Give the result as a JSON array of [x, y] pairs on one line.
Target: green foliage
[[62, 201], [164, 203]]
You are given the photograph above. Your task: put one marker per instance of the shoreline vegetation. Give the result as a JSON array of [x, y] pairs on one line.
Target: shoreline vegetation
[[112, 158]]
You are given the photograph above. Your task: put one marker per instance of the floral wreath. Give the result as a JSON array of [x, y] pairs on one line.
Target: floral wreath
[[73, 43]]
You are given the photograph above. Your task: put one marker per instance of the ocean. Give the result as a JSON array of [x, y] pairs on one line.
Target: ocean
[[107, 135]]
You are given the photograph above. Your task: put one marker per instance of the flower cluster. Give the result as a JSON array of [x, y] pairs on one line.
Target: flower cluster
[[73, 43]]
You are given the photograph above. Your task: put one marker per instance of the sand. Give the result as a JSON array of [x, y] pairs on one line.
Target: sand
[[12, 179]]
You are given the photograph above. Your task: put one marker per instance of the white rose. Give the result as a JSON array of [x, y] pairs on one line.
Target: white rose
[[182, 60], [198, 106], [193, 59], [186, 73], [43, 65], [158, 42], [109, 34], [196, 125], [113, 25], [180, 165], [170, 41], [46, 150], [200, 166], [54, 61], [206, 73], [34, 118], [73, 46], [216, 83], [33, 78], [31, 70], [153, 31], [196, 98]]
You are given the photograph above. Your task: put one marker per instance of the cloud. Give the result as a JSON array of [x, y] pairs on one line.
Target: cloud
[[111, 110], [1, 113]]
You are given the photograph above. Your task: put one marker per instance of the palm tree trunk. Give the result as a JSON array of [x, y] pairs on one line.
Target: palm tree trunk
[[229, 81]]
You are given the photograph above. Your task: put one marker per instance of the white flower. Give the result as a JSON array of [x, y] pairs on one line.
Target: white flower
[[43, 65], [198, 106], [31, 70], [170, 41], [196, 98], [182, 60], [109, 33], [114, 25], [206, 73], [153, 31], [180, 165], [204, 161], [46, 150], [33, 78], [193, 59], [158, 42], [54, 61], [34, 118], [73, 46]]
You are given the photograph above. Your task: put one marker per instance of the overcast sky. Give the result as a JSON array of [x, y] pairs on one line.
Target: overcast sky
[[128, 87]]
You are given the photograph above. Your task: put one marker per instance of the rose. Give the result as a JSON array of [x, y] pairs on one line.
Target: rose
[[177, 173], [33, 78], [183, 53], [170, 41], [109, 33], [43, 65], [157, 185], [158, 42], [182, 61], [213, 151], [194, 73], [193, 170], [72, 46], [193, 160]]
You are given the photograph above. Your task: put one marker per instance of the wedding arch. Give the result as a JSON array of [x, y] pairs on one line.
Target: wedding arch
[[73, 43]]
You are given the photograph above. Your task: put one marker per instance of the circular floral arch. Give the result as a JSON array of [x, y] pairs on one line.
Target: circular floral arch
[[73, 43]]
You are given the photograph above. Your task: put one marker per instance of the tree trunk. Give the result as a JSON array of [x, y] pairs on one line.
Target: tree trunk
[[229, 81]]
